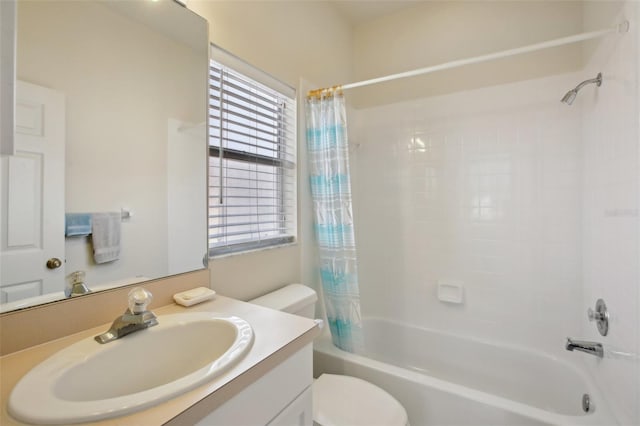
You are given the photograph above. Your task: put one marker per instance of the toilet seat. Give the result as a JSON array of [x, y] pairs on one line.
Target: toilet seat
[[348, 401]]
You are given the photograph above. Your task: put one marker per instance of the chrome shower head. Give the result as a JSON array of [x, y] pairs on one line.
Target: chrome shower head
[[570, 96]]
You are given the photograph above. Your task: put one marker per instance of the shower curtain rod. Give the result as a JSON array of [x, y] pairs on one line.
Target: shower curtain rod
[[620, 28]]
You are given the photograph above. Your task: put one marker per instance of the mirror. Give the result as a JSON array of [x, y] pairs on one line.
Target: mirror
[[109, 176]]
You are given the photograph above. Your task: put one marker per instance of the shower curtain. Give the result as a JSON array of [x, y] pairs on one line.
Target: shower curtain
[[333, 217]]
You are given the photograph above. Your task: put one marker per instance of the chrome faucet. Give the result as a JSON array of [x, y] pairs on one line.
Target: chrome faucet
[[135, 318], [592, 348], [78, 287]]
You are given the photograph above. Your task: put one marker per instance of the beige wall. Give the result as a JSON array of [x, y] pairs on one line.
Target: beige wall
[[290, 40], [435, 32]]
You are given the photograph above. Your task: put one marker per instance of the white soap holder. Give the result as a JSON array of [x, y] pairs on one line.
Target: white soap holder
[[451, 292], [194, 296]]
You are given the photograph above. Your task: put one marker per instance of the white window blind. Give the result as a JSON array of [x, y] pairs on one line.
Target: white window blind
[[252, 158]]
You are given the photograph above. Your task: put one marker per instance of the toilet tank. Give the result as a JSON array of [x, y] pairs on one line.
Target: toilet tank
[[295, 299]]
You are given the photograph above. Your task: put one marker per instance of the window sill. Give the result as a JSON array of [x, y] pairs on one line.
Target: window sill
[[253, 250]]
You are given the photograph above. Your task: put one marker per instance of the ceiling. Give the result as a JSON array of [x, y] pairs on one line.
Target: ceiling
[[359, 11]]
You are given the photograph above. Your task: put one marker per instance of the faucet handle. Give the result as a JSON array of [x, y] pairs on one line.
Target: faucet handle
[[78, 277], [601, 316], [139, 299]]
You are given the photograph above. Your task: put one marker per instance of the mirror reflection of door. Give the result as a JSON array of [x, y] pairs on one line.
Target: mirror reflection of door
[[33, 192]]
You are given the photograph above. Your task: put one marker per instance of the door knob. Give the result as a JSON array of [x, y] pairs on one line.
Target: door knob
[[54, 263]]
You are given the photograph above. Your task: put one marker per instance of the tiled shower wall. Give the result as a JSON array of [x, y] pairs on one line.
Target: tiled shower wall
[[530, 205], [611, 230], [480, 189]]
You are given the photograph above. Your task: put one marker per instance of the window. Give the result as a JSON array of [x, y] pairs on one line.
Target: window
[[252, 155]]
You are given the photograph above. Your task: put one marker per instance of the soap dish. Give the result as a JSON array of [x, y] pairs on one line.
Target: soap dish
[[194, 296]]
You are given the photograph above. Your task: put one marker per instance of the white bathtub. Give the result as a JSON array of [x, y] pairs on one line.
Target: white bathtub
[[443, 379]]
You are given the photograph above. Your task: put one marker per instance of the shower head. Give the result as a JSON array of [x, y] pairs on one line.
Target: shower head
[[570, 96]]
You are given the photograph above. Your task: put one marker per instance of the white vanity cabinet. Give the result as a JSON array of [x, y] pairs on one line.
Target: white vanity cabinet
[[282, 397]]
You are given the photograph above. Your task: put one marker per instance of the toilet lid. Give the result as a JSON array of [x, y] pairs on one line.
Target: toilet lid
[[348, 401]]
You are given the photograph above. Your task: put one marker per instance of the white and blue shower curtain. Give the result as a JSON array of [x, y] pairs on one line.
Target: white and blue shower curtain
[[328, 153]]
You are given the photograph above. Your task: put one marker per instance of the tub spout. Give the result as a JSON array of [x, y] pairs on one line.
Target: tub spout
[[592, 348]]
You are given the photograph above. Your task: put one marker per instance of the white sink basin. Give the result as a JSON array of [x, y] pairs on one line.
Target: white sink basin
[[88, 381]]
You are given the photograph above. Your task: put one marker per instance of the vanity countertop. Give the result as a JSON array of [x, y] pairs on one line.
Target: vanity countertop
[[277, 336]]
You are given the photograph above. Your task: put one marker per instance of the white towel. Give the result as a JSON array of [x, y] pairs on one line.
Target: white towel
[[105, 236]]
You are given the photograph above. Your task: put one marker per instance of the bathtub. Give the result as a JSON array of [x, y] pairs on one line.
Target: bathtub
[[443, 379]]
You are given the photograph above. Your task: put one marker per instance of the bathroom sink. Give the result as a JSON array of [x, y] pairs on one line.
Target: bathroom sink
[[88, 381]]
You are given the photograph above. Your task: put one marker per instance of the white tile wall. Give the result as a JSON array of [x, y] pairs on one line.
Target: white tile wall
[[482, 187], [532, 204], [611, 255]]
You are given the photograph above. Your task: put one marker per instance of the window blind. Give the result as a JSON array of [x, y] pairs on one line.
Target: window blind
[[252, 160]]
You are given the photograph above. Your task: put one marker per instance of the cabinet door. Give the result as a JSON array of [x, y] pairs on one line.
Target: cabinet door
[[271, 396], [298, 413]]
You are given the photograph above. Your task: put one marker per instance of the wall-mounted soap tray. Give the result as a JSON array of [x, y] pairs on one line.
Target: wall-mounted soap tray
[[451, 291]]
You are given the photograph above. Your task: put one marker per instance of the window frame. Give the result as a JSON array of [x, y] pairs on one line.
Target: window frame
[[286, 206]]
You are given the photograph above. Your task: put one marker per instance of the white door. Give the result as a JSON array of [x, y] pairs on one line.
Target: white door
[[32, 189]]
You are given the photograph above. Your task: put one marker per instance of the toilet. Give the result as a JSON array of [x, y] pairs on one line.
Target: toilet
[[337, 400]]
